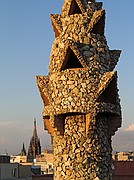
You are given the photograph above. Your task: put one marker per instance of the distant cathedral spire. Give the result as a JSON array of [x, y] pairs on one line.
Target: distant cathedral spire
[[23, 151], [35, 130], [34, 146]]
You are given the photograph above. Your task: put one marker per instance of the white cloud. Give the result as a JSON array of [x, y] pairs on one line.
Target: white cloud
[[130, 128]]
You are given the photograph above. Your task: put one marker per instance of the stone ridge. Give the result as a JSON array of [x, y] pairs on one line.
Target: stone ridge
[[72, 91], [88, 6], [80, 95]]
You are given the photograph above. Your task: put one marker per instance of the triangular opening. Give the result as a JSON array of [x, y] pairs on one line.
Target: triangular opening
[[109, 95], [56, 32], [99, 27], [71, 61], [74, 8]]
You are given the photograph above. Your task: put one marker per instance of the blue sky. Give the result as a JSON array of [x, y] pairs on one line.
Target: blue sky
[[26, 37]]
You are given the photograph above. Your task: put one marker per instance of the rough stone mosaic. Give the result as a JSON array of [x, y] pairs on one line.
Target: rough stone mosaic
[[80, 95]]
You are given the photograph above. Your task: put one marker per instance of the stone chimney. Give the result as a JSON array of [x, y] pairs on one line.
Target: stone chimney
[[81, 103]]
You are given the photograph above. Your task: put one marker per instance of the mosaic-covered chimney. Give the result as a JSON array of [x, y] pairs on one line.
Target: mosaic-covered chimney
[[81, 104]]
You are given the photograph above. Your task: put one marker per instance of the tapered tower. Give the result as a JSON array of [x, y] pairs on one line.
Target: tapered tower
[[81, 103], [34, 146], [23, 151]]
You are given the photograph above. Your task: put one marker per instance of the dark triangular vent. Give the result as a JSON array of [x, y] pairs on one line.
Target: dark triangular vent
[[99, 27], [74, 8], [109, 95], [71, 61]]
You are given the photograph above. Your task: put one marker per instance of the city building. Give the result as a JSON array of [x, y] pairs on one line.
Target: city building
[[10, 171], [123, 156], [46, 161], [21, 159], [7, 170]]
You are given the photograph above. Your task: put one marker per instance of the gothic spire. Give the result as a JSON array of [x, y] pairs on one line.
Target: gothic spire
[[23, 151], [34, 146], [35, 129]]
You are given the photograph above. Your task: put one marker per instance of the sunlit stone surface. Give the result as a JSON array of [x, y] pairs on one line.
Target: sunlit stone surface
[[81, 104]]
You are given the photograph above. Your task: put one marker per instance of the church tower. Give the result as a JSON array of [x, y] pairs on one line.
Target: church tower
[[23, 151], [34, 146]]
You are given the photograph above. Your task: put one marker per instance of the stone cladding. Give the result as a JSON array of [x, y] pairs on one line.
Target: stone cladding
[[81, 103]]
